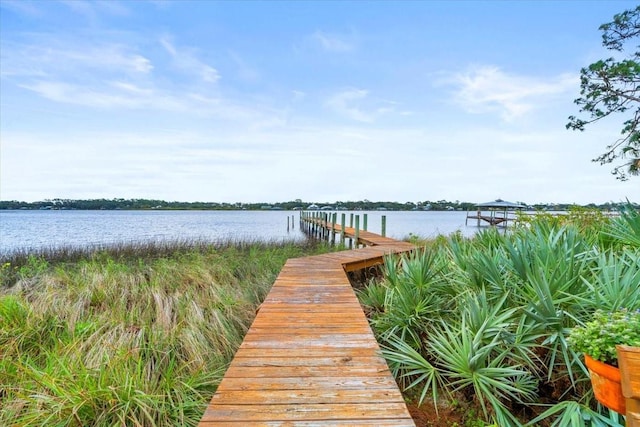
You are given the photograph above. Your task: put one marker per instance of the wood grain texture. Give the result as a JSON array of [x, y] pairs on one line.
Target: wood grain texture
[[310, 357]]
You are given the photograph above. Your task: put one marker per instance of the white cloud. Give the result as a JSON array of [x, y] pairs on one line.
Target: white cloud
[[343, 104], [118, 95], [333, 42], [92, 9], [298, 95], [489, 89], [198, 164], [244, 70], [186, 60], [27, 8], [45, 56], [111, 96], [355, 104]]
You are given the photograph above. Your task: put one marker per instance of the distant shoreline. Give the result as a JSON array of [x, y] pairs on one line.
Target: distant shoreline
[[295, 205]]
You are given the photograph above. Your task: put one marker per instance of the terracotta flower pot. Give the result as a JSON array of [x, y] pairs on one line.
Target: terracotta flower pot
[[606, 383]]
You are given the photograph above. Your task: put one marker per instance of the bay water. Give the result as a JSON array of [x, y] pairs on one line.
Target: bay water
[[48, 229]]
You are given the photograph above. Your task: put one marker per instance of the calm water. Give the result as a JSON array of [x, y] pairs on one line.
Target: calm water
[[49, 229]]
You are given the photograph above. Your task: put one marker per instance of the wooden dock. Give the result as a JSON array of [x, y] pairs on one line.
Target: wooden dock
[[310, 357]]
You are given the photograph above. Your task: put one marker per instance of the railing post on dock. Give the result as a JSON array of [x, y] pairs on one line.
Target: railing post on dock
[[342, 225], [314, 228], [293, 217], [357, 230], [287, 223], [325, 226], [364, 222], [383, 226], [333, 228], [351, 226]]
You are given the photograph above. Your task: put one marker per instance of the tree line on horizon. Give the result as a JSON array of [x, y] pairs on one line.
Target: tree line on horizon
[[298, 204]]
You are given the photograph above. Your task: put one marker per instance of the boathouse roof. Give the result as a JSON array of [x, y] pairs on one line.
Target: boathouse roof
[[499, 203]]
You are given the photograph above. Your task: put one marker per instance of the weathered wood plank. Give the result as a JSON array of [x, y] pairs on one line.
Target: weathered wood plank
[[298, 397], [317, 412], [309, 343], [310, 357], [309, 384], [310, 352], [283, 361], [304, 371], [404, 422]]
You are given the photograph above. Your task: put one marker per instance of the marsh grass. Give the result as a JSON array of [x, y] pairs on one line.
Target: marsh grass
[[134, 335]]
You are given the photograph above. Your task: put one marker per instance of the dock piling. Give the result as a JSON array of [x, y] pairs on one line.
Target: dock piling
[[383, 226]]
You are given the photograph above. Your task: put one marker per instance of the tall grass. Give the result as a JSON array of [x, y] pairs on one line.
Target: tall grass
[[485, 320], [136, 336]]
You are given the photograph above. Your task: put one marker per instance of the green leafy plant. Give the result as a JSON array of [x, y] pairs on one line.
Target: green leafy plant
[[486, 320], [626, 228], [598, 338]]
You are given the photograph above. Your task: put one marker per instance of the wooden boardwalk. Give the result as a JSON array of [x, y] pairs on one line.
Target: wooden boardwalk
[[310, 357]]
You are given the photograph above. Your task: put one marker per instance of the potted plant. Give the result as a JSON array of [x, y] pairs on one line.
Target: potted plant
[[598, 339]]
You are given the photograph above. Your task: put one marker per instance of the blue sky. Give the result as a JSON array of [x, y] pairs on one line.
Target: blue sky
[[322, 101]]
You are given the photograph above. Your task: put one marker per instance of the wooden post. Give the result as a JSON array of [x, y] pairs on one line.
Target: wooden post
[[383, 226], [357, 230], [287, 223], [326, 226], [364, 222], [315, 224], [333, 228], [342, 225], [629, 363], [351, 221]]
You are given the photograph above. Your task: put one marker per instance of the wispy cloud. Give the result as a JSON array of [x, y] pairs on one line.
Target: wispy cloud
[[334, 42], [489, 89], [356, 104], [112, 75], [111, 96], [47, 57], [344, 103], [186, 60], [243, 69], [92, 9], [27, 8]]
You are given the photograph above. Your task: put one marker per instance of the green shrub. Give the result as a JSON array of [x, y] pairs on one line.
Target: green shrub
[[598, 337], [490, 327]]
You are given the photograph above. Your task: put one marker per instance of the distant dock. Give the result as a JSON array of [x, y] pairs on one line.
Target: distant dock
[[497, 213]]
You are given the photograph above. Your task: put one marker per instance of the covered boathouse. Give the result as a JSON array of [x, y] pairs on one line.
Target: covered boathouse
[[498, 213]]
